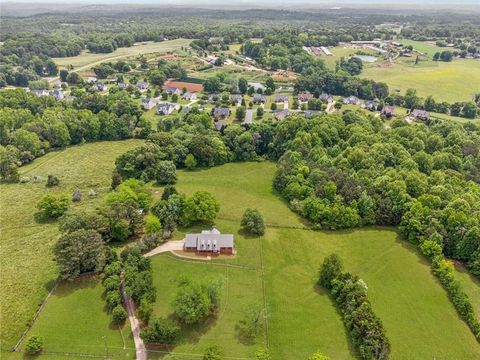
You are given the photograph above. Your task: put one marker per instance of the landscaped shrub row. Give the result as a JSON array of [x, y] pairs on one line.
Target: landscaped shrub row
[[444, 271], [350, 294], [113, 292]]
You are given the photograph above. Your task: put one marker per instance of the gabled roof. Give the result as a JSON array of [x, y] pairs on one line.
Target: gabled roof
[[219, 112], [209, 240], [281, 98]]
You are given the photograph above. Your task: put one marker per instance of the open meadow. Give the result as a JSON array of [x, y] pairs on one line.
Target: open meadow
[[416, 312], [28, 270], [87, 59], [446, 81]]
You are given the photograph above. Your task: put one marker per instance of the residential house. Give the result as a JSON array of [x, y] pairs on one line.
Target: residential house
[[258, 98], [149, 103], [417, 114], [91, 80], [209, 242], [281, 98], [141, 85], [326, 97], [371, 105], [257, 86], [310, 113], [220, 113], [189, 96], [40, 92], [123, 85], [173, 90], [100, 86], [388, 111], [279, 115], [213, 98], [236, 99], [351, 100], [304, 96], [57, 84], [57, 94], [165, 108]]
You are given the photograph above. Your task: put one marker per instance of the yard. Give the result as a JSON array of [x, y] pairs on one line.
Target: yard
[[75, 321], [28, 270]]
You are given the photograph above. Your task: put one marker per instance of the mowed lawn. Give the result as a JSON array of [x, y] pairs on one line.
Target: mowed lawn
[[445, 81], [28, 271], [87, 59], [75, 320], [240, 287], [419, 319]]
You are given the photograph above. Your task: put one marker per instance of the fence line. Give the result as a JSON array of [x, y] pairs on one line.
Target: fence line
[[40, 309]]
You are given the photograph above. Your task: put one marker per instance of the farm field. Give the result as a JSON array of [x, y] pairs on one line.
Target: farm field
[[424, 47], [445, 81], [340, 51], [87, 59], [28, 270], [74, 320], [301, 317]]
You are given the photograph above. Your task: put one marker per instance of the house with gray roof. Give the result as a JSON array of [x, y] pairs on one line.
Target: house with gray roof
[[100, 86], [141, 85], [213, 98], [281, 98], [280, 114], [165, 108], [304, 96], [388, 110], [236, 99], [43, 92], [257, 86], [352, 100], [258, 98], [221, 113], [210, 242], [417, 114], [173, 90], [57, 94], [149, 103], [326, 97], [370, 105], [189, 96]]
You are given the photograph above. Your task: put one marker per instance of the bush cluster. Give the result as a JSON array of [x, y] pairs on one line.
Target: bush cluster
[[444, 271], [350, 294]]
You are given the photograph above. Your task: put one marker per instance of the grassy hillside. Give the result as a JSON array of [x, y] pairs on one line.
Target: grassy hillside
[[88, 59], [27, 268], [419, 319], [445, 81]]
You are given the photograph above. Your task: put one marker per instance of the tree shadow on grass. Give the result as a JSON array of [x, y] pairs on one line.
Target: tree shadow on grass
[[68, 287], [324, 292]]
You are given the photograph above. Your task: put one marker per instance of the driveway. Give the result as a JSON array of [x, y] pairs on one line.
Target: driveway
[[248, 117], [168, 246]]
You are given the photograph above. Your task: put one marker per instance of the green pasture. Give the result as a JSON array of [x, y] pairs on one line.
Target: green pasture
[[28, 270], [445, 81], [87, 59], [75, 321]]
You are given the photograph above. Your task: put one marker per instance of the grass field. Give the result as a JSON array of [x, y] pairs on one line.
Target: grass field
[[424, 47], [75, 321], [419, 319], [87, 59], [27, 268], [339, 52], [453, 81]]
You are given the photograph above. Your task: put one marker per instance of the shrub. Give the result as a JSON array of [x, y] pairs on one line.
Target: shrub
[[152, 224], [165, 172], [161, 331], [431, 249], [253, 222], [119, 314], [145, 310], [111, 283], [152, 240], [34, 345], [77, 195], [121, 230], [52, 206], [262, 354], [115, 268], [214, 352], [167, 191], [52, 181], [113, 298], [190, 162], [330, 269]]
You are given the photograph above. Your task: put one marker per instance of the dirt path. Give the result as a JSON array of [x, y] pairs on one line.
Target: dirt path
[[140, 349], [168, 246]]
